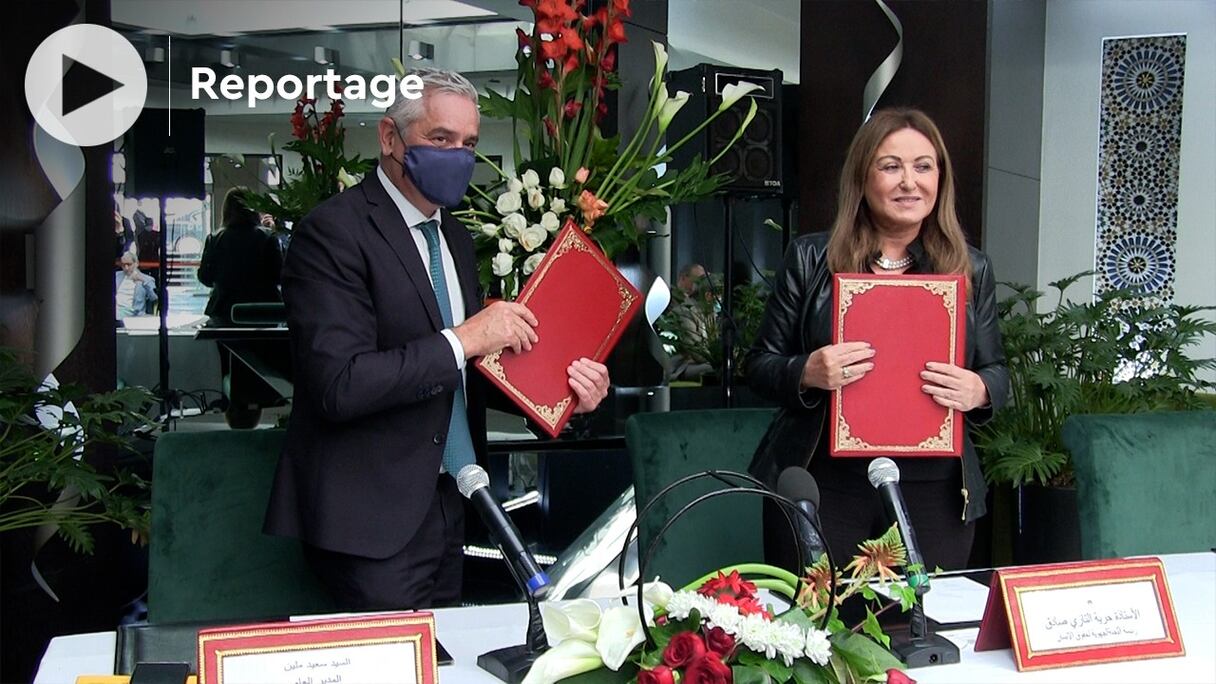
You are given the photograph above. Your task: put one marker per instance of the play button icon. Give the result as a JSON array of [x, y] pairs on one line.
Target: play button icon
[[85, 85]]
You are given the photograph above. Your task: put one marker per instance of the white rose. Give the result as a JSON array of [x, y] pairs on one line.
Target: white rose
[[557, 205], [532, 262], [505, 245], [550, 222], [536, 199], [502, 263], [514, 224], [533, 236], [509, 202], [531, 179], [557, 179], [489, 229], [514, 185]]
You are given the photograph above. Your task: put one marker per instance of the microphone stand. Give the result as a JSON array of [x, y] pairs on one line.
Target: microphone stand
[[512, 663], [921, 647]]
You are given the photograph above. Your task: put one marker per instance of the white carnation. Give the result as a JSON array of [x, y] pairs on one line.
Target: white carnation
[[818, 648], [514, 224], [508, 202], [502, 264], [531, 179], [557, 179], [536, 198], [532, 262], [533, 236], [505, 245], [550, 222], [557, 205]]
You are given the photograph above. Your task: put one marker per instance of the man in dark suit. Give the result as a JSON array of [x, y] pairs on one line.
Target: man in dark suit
[[384, 312]]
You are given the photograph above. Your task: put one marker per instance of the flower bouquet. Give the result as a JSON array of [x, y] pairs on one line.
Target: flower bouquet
[[325, 169], [716, 629], [570, 172]]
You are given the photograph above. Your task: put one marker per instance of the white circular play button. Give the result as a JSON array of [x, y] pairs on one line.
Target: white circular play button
[[85, 85]]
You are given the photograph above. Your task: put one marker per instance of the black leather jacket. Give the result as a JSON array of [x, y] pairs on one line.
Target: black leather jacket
[[798, 320]]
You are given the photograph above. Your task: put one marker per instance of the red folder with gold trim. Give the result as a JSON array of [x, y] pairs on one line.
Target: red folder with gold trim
[[909, 320], [582, 305]]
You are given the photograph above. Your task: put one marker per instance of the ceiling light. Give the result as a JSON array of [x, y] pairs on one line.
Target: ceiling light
[[325, 56], [420, 50]]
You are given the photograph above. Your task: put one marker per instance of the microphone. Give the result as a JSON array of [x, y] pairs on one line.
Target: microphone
[[884, 475], [797, 485], [474, 485]]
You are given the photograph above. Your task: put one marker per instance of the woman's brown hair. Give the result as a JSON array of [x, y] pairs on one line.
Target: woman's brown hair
[[236, 211], [854, 241]]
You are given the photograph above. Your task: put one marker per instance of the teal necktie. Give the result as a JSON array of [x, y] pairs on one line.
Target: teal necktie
[[458, 448]]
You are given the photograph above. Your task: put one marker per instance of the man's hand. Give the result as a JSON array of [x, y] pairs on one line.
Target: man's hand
[[589, 380], [500, 325]]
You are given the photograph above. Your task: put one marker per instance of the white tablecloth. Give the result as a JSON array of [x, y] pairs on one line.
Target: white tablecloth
[[468, 632]]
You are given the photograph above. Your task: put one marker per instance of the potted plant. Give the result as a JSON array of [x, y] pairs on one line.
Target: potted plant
[[1114, 354], [46, 436], [691, 328]]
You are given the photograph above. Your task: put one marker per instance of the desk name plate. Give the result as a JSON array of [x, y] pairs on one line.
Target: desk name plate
[[396, 648], [1082, 613]]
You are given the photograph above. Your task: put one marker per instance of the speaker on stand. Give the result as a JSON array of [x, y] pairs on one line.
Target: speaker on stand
[[164, 158], [755, 163]]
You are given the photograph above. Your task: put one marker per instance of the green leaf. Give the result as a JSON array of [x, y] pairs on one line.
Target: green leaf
[[807, 672], [862, 654], [749, 674], [871, 627]]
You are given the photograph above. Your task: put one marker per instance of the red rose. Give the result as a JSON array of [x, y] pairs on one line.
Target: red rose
[[661, 674], [708, 669], [683, 648], [718, 641], [895, 676]]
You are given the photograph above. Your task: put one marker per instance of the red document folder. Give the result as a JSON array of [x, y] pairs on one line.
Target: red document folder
[[909, 320], [582, 305]]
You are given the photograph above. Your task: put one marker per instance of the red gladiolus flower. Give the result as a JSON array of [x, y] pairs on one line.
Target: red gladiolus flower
[[571, 63], [550, 127], [524, 39], [608, 62], [708, 669], [895, 676], [601, 110], [683, 649], [553, 49], [661, 674], [621, 7], [572, 108], [545, 81], [718, 641], [615, 33], [531, 4]]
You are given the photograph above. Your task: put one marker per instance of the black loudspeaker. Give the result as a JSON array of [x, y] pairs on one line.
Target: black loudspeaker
[[164, 154], [755, 161]]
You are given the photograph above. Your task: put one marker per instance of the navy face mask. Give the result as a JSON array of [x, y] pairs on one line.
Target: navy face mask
[[442, 175]]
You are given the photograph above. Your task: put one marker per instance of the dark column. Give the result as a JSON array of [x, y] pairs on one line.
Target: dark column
[[943, 72]]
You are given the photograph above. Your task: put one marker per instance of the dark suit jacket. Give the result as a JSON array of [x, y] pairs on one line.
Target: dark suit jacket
[[240, 264], [375, 379]]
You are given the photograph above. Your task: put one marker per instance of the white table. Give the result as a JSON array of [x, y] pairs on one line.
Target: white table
[[468, 632]]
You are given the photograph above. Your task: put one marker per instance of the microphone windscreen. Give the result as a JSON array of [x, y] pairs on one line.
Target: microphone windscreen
[[797, 484], [883, 471], [471, 478]]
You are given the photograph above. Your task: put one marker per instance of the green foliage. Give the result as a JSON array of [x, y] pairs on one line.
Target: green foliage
[[38, 464], [1114, 354], [692, 328]]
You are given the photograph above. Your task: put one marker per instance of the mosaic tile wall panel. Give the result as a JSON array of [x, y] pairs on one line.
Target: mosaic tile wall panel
[[1138, 151]]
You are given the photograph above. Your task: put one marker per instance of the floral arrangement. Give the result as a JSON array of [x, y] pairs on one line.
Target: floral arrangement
[[569, 171], [325, 169], [717, 630]]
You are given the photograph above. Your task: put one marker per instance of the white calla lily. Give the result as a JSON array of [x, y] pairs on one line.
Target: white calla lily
[[578, 619], [660, 59], [733, 92], [620, 632], [568, 658], [670, 107], [657, 593]]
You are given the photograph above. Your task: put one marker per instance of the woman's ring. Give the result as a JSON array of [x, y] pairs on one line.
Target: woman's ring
[[845, 372]]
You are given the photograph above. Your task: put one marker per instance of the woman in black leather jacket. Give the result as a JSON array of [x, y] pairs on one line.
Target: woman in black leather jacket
[[895, 215]]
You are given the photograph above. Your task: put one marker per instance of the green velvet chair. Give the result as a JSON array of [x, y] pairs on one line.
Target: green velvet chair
[[1146, 483], [209, 560], [664, 447]]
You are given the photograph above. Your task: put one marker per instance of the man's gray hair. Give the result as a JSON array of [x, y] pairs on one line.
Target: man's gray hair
[[404, 111]]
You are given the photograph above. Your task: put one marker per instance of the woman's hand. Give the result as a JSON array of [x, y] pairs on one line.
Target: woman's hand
[[837, 365], [954, 387], [589, 380]]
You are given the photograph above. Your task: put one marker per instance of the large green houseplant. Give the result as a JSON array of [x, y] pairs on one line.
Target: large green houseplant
[[1113, 354], [46, 436]]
